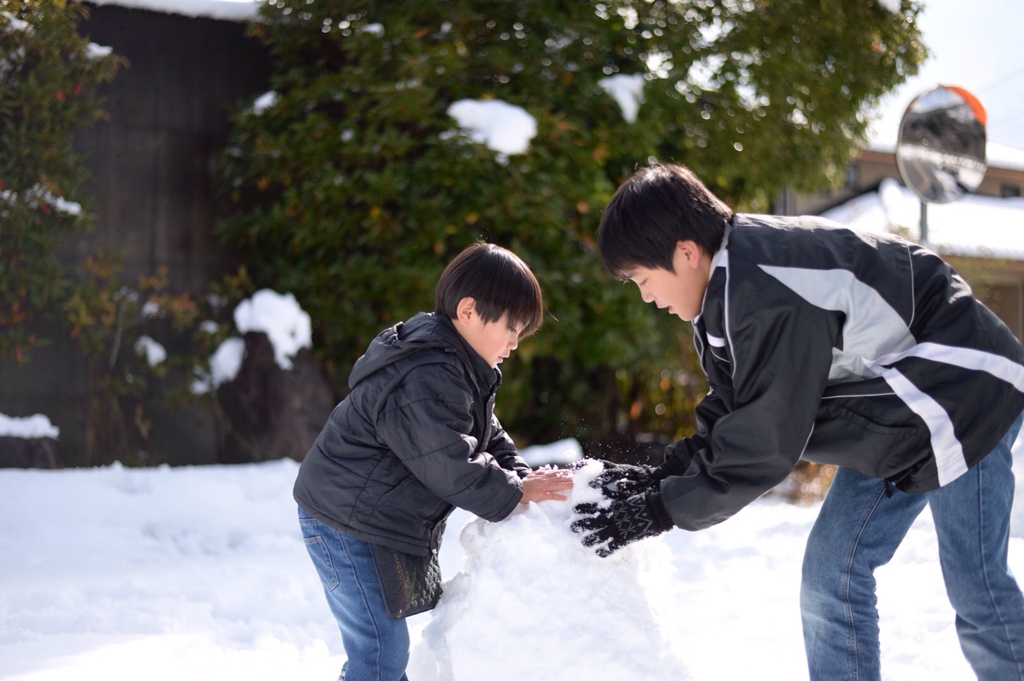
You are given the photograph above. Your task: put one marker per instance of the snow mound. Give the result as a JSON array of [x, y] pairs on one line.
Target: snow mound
[[531, 602]]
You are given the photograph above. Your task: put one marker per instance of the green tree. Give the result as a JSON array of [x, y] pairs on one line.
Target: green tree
[[48, 87], [354, 184]]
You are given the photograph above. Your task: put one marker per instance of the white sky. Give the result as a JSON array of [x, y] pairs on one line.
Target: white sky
[[977, 46], [200, 573]]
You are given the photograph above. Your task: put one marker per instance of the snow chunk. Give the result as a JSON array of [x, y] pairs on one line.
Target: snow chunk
[[154, 351], [504, 128], [280, 317], [560, 453], [94, 51], [264, 102], [28, 427], [288, 328], [14, 23], [628, 91], [38, 195], [224, 365]]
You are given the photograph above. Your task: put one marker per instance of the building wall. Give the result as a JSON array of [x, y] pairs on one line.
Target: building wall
[[1005, 301], [152, 163]]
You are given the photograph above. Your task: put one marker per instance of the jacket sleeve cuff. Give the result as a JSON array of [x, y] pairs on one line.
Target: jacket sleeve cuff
[[679, 454], [673, 465], [658, 511]]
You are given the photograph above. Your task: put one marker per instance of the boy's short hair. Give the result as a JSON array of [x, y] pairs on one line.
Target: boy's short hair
[[498, 280], [652, 210]]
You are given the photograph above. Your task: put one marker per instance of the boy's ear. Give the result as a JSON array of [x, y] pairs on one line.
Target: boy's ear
[[691, 252], [465, 309]]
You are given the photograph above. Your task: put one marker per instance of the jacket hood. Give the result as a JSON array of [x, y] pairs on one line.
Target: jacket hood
[[423, 331]]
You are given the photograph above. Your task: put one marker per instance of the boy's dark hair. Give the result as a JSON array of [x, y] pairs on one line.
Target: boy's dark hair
[[652, 210], [498, 280]]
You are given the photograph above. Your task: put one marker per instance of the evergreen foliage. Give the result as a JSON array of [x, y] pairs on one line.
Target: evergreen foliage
[[48, 79], [354, 186]]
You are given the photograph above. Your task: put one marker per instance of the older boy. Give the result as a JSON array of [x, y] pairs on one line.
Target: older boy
[[415, 438], [860, 350]]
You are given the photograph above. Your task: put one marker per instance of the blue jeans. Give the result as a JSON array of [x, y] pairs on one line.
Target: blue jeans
[[860, 527], [376, 644]]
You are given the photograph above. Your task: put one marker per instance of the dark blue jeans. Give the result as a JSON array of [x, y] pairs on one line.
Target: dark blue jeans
[[859, 529], [376, 644]]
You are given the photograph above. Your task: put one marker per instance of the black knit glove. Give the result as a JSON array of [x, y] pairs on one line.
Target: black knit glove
[[620, 481], [623, 522]]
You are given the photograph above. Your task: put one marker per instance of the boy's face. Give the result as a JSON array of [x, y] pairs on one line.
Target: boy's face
[[681, 292], [494, 341]]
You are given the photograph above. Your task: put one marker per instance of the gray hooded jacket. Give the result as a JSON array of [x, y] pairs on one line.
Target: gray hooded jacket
[[415, 438]]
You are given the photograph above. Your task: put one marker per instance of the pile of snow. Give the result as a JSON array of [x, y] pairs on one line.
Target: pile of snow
[[558, 604]]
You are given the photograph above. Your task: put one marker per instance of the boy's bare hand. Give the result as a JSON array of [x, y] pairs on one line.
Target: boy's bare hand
[[544, 485]]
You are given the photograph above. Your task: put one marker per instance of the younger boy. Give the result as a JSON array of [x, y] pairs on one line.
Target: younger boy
[[415, 438], [860, 350]]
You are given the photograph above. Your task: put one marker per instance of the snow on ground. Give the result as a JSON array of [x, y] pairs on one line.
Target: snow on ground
[[200, 573]]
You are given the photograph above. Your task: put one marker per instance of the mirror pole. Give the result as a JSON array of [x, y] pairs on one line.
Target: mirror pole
[[924, 223]]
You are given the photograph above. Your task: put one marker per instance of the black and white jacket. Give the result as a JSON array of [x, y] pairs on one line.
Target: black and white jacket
[[861, 350]]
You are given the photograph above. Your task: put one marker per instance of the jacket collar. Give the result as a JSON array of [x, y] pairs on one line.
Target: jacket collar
[[719, 259], [487, 376]]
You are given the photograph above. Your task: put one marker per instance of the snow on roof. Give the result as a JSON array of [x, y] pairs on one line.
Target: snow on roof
[[1002, 156], [996, 155], [981, 226], [233, 10]]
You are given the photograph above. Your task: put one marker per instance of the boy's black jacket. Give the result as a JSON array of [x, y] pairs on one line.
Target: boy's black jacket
[[416, 437], [861, 350]]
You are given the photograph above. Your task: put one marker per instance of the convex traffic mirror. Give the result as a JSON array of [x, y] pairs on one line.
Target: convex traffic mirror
[[941, 148]]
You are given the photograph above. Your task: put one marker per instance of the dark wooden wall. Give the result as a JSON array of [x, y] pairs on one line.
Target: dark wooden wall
[[152, 197], [152, 161]]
